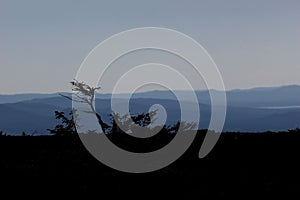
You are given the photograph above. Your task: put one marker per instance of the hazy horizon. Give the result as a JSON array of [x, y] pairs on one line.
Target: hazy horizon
[[99, 92]]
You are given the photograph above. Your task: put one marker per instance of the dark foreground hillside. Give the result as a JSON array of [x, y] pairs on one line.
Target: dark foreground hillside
[[242, 165]]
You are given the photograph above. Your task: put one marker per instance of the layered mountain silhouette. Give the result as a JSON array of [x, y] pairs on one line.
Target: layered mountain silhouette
[[251, 110]]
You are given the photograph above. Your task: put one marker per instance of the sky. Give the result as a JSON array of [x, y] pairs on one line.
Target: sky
[[43, 43]]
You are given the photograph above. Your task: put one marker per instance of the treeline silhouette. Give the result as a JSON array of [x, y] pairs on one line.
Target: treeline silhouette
[[240, 164]]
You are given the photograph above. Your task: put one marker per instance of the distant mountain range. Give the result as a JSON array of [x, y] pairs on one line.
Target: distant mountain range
[[255, 110]]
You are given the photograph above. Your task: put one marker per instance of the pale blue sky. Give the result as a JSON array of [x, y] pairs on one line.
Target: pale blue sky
[[42, 43]]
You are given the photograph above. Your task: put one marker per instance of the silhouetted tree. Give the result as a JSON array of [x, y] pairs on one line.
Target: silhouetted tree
[[129, 122], [67, 126], [85, 94]]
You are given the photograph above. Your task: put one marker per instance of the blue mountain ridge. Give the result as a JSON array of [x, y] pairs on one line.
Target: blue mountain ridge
[[252, 110]]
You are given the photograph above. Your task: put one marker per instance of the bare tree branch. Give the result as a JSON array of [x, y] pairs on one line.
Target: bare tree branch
[[86, 94]]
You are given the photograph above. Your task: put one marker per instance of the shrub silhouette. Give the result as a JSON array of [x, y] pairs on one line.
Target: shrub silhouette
[[83, 93], [67, 126], [138, 123]]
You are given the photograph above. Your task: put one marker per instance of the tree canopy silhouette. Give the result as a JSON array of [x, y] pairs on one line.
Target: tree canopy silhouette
[[83, 93], [67, 126]]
